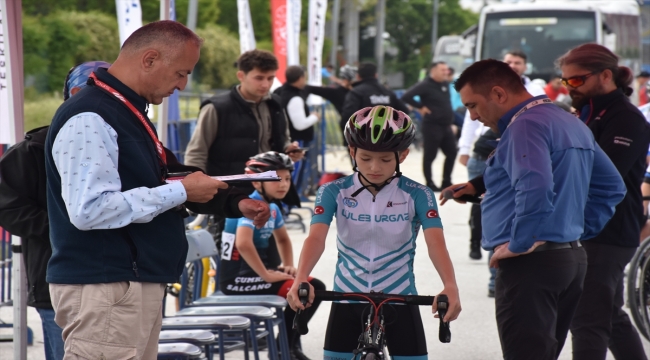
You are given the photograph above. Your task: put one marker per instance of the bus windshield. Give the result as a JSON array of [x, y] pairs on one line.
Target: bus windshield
[[543, 35], [448, 49]]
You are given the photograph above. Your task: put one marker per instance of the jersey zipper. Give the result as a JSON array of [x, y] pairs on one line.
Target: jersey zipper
[[371, 270]]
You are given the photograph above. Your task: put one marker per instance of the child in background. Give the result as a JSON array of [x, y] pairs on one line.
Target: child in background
[[245, 253]]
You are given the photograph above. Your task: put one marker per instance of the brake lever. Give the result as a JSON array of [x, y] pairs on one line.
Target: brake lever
[[444, 332], [299, 321]]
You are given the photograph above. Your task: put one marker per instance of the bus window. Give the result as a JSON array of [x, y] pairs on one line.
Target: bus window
[[542, 35]]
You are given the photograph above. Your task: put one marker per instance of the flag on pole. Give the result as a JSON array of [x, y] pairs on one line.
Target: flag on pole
[[129, 17], [279, 26], [316, 38], [246, 32], [294, 10], [173, 109], [173, 113], [6, 126], [11, 73]]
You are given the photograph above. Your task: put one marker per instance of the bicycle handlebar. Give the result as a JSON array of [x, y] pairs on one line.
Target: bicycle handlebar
[[300, 323], [324, 295]]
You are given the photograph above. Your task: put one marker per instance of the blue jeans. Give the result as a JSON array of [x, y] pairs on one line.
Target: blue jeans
[[475, 168], [52, 336]]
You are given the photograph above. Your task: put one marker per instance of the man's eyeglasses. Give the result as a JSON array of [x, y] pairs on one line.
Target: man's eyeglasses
[[576, 81]]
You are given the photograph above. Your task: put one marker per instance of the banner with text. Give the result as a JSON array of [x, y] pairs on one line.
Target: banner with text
[[294, 12], [316, 38], [5, 118], [246, 32], [279, 27], [129, 17], [11, 73]]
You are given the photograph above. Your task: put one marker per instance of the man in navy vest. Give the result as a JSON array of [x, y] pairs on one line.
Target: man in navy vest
[[116, 226]]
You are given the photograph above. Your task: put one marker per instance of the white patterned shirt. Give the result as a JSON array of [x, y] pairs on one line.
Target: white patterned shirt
[[85, 153]]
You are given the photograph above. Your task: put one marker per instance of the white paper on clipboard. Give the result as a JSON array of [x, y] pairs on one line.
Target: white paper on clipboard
[[265, 176]]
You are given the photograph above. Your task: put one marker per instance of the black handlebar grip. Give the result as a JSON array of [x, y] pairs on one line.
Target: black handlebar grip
[[419, 300], [299, 321], [444, 332]]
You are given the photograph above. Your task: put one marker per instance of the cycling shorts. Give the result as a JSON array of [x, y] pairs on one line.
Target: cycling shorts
[[403, 325]]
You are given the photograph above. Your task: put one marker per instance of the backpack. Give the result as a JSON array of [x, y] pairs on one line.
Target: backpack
[[23, 209]]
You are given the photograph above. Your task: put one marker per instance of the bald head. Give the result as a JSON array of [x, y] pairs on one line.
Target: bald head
[[165, 36], [157, 59]]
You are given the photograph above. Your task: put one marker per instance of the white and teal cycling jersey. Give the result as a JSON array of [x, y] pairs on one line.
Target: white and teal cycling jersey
[[376, 235]]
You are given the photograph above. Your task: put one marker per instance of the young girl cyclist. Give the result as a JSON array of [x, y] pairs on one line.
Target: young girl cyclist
[[378, 215], [242, 241]]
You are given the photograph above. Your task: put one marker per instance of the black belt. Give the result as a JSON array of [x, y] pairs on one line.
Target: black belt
[[557, 246]]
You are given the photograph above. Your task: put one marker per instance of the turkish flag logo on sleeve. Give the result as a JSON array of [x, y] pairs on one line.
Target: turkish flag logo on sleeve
[[319, 210], [432, 214]]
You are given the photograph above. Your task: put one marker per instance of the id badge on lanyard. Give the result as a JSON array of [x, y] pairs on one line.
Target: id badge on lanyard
[[162, 157], [529, 106]]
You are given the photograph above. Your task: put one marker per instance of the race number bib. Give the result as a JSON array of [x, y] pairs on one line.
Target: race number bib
[[227, 244]]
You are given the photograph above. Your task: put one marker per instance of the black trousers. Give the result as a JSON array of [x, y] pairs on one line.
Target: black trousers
[[600, 322], [536, 297], [436, 137], [476, 230]]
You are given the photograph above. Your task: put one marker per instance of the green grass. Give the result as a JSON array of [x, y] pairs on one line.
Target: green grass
[[40, 112]]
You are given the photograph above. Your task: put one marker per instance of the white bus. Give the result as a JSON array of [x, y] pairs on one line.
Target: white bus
[[546, 30], [449, 48]]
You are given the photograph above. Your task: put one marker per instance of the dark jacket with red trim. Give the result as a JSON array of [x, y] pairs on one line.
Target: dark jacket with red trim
[[623, 133]]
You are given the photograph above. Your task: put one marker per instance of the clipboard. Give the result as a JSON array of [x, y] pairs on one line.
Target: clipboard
[[230, 179]]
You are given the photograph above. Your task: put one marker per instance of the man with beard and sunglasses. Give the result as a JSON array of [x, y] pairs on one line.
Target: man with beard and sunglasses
[[599, 88]]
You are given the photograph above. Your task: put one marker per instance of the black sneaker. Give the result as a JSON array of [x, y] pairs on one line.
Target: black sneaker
[[475, 254], [297, 354], [490, 293]]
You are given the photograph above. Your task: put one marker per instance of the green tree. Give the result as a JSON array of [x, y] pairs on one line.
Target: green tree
[[208, 13], [62, 49], [45, 7], [35, 41], [102, 40], [218, 54], [410, 26], [260, 14]]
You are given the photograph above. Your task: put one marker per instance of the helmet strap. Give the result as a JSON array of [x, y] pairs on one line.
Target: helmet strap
[[262, 192], [377, 187]]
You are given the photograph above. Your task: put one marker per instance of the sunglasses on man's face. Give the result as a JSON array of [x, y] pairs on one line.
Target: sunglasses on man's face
[[576, 81]]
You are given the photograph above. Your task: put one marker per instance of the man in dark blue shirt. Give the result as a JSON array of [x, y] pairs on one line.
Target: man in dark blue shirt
[[547, 185]]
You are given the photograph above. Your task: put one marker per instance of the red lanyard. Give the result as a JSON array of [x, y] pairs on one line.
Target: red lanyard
[[138, 114]]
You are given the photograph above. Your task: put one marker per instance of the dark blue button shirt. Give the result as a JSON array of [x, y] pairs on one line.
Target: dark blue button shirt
[[547, 181]]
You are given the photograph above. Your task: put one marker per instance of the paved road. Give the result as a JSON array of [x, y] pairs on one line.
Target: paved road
[[474, 334]]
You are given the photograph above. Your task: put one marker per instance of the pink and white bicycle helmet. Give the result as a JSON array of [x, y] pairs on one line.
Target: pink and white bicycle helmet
[[380, 128]]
